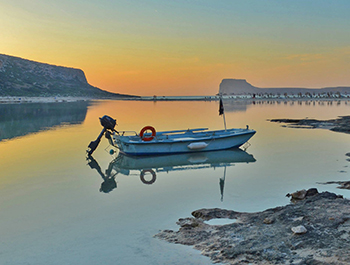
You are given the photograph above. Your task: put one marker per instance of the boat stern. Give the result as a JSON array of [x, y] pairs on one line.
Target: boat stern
[[116, 141]]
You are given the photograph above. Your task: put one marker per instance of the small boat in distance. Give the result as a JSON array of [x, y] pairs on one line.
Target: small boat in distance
[[150, 142]]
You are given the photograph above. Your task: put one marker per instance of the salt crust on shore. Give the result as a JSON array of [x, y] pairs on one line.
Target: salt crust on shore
[[267, 237]]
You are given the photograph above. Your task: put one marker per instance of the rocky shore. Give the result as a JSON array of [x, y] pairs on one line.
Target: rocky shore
[[314, 229], [342, 124]]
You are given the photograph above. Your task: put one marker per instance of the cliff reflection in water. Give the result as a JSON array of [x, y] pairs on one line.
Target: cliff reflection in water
[[22, 119], [149, 167]]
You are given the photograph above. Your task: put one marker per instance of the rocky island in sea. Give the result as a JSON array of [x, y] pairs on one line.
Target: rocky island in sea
[[242, 87], [24, 78]]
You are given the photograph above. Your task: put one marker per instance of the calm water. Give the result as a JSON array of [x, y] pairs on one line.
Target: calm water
[[52, 209]]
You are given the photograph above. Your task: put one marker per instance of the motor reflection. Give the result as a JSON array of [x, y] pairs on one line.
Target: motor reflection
[[109, 182], [148, 167]]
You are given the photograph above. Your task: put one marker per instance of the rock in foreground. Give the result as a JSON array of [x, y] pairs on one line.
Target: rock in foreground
[[321, 222]]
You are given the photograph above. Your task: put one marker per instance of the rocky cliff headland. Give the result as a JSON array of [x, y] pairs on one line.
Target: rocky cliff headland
[[21, 77], [241, 86]]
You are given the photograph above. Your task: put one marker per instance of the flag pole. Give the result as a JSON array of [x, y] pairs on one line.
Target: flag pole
[[222, 112], [224, 121], [222, 185]]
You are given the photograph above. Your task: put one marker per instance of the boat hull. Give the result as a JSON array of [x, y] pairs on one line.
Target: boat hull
[[184, 143]]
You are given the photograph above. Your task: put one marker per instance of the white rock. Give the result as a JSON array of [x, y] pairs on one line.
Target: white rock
[[299, 229]]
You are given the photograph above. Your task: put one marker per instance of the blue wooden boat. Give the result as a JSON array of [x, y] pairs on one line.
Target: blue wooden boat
[[180, 141], [150, 142]]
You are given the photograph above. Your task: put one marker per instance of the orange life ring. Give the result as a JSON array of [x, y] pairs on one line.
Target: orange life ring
[[144, 129], [142, 176]]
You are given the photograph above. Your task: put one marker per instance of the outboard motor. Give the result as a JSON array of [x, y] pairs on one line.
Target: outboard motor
[[108, 123]]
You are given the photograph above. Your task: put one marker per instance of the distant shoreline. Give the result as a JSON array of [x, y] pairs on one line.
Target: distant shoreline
[[19, 99], [11, 99]]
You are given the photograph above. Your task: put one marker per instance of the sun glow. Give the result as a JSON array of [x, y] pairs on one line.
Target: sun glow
[[179, 48]]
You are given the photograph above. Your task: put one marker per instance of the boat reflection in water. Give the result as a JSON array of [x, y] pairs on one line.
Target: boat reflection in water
[[149, 166]]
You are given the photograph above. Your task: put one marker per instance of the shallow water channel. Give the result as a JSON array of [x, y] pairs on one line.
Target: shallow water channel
[[57, 207]]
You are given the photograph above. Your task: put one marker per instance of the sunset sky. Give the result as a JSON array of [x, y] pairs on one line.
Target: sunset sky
[[184, 47]]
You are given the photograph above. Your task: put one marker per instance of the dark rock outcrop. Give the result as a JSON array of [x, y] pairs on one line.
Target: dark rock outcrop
[[315, 230], [342, 184], [342, 124], [21, 77]]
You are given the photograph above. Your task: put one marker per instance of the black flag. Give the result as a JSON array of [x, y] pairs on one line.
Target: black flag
[[221, 108]]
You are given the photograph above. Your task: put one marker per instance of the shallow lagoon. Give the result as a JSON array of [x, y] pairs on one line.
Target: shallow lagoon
[[52, 209]]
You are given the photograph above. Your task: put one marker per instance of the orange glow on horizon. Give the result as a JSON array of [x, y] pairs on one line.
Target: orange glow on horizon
[[169, 49]]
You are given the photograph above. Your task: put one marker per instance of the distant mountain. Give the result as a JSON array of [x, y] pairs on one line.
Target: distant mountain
[[21, 77], [241, 86]]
